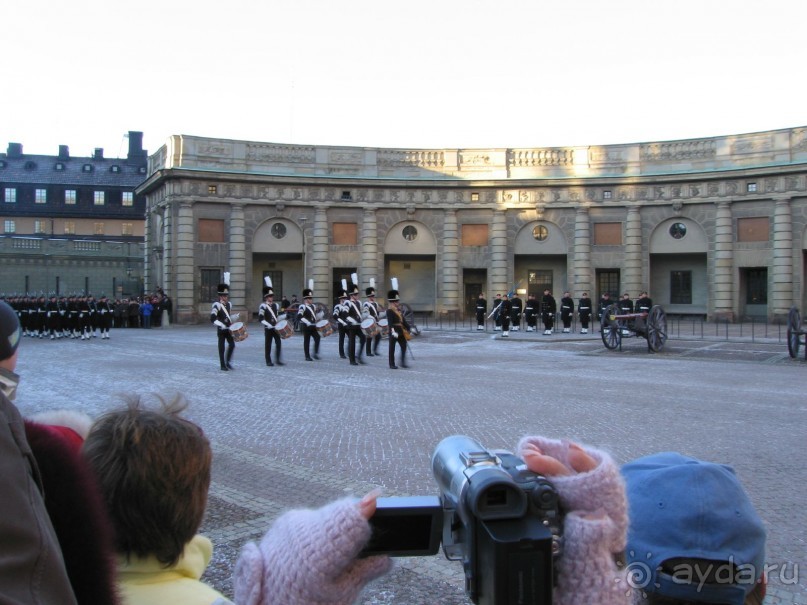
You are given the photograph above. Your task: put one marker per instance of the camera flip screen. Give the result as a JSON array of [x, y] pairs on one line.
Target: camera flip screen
[[406, 527]]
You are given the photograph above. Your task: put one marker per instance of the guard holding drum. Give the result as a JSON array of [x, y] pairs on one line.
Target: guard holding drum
[[268, 314], [338, 312], [307, 313], [373, 311], [353, 319], [220, 317]]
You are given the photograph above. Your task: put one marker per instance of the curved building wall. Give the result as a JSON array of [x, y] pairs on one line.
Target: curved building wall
[[712, 227]]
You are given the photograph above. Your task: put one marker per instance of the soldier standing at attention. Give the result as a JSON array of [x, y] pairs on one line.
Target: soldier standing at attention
[[481, 311], [505, 308], [584, 312], [548, 310], [531, 313], [566, 312], [220, 317], [267, 315], [516, 306], [497, 315], [605, 302], [644, 303]]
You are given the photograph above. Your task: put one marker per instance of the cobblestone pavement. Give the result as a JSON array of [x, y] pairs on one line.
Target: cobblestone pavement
[[308, 432]]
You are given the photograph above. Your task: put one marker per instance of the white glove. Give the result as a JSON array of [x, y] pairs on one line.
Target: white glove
[[267, 324], [220, 324], [394, 334], [352, 321], [305, 321]]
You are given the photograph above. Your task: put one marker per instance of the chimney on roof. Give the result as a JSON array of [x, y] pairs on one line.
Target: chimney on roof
[[64, 152], [98, 154], [14, 150], [137, 154]]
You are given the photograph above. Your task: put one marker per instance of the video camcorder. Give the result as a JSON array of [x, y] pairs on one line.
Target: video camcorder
[[501, 520]]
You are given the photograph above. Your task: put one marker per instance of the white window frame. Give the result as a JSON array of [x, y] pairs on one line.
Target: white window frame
[[99, 198], [70, 196], [10, 226], [41, 196], [11, 195], [127, 198]]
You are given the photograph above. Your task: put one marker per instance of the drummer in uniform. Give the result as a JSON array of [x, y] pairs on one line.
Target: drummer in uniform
[[373, 310], [307, 314], [220, 317], [352, 317], [398, 328], [338, 311], [268, 315]]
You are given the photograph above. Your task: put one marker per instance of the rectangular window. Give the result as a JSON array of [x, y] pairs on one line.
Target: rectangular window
[[209, 284], [70, 196], [41, 196], [211, 230], [11, 195], [127, 229], [39, 226], [69, 228], [607, 234], [608, 281], [754, 229], [345, 234], [539, 280], [99, 198], [10, 226], [128, 198], [98, 228], [475, 235], [680, 287]]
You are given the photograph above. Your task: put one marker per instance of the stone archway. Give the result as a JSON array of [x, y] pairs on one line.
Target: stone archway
[[410, 253]]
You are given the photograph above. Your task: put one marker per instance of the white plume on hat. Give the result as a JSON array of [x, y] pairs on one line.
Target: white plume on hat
[[394, 282], [344, 285], [372, 282], [310, 284], [355, 278], [268, 281], [227, 277]]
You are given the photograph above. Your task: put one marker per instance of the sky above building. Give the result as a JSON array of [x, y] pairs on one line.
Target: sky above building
[[417, 74]]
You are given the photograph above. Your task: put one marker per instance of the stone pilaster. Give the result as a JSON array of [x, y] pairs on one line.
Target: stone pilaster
[[498, 278], [582, 254], [632, 279], [369, 251], [168, 247], [782, 259], [148, 255], [318, 264], [723, 263], [238, 258], [450, 262], [186, 312]]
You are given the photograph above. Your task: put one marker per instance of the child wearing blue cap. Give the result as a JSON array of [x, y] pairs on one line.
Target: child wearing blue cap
[[694, 536]]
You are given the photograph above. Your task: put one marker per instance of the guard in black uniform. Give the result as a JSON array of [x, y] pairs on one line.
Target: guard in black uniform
[[548, 310], [481, 311], [604, 303], [307, 314], [352, 319], [566, 312], [505, 309], [220, 317], [339, 313], [643, 305], [104, 314], [531, 313], [496, 312], [399, 330], [372, 309], [267, 315], [625, 305], [584, 312], [516, 308]]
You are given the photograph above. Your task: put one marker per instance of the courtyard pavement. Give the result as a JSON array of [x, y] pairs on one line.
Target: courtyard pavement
[[309, 432]]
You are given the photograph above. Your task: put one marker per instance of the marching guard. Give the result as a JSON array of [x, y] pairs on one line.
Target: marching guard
[[220, 317], [268, 315], [339, 312], [104, 314], [399, 330], [373, 310], [353, 321], [566, 312], [307, 314], [548, 310]]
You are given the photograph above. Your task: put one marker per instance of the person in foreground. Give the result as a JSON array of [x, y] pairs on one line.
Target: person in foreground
[[592, 493], [694, 535], [154, 467]]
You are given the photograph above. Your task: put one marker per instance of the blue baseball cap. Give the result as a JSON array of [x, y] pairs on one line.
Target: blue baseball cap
[[682, 508]]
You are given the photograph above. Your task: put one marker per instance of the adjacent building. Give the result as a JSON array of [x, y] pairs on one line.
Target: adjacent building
[[715, 227], [72, 224]]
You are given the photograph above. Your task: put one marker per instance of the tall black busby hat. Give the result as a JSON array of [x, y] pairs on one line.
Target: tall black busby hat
[[369, 292], [392, 296], [342, 294], [267, 289], [224, 289], [308, 293]]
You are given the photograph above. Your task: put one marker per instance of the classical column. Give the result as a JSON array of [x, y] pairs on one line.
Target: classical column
[[149, 254], [450, 262], [184, 295], [723, 281], [632, 279], [369, 251], [782, 259], [238, 259], [319, 259], [582, 253], [167, 247], [498, 279]]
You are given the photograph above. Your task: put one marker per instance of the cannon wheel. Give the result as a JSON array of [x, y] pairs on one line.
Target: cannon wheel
[[656, 329], [794, 332], [609, 328]]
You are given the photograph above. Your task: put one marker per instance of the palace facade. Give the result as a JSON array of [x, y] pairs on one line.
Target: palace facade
[[715, 227]]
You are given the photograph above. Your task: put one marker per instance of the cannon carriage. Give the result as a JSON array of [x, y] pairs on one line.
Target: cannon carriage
[[795, 334], [651, 325]]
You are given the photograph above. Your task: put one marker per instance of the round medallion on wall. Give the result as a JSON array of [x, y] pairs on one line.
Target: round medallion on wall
[[540, 233], [279, 230], [410, 233], [678, 230]]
